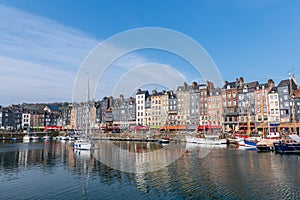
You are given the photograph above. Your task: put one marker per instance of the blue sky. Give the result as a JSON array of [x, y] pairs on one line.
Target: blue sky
[[43, 43]]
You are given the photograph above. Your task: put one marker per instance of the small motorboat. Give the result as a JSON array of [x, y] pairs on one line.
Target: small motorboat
[[164, 140]]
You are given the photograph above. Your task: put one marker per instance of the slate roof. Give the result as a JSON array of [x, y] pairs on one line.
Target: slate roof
[[230, 84]]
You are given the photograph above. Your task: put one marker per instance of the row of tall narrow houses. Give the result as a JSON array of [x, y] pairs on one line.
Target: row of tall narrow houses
[[239, 106]]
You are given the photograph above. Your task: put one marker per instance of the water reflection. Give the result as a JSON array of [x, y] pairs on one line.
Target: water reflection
[[137, 157], [46, 170]]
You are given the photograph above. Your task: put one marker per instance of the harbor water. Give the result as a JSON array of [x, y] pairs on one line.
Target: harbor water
[[52, 170]]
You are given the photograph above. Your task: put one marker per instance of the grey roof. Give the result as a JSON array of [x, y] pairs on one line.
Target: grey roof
[[286, 82], [274, 89], [252, 84], [231, 84], [142, 92], [157, 94], [215, 91], [53, 108], [261, 85]]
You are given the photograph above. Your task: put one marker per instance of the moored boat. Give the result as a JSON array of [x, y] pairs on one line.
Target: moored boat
[[291, 145], [194, 139], [26, 138], [208, 139], [34, 138], [265, 145], [163, 141], [250, 143], [86, 142], [46, 137], [82, 144]]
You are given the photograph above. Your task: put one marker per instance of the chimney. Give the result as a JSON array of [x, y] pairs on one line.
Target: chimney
[[185, 85], [241, 80], [110, 102], [194, 84], [210, 86], [237, 81], [270, 83]]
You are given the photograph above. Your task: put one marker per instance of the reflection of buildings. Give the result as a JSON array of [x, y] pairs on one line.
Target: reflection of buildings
[[47, 154]]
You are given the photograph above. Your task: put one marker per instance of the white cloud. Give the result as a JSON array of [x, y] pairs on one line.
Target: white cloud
[[39, 57]]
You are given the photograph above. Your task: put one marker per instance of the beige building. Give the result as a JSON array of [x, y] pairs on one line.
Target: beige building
[[156, 110], [273, 106], [215, 110], [165, 108], [73, 118], [183, 104]]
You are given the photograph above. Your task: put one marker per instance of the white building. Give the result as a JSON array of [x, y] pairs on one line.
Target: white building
[[140, 107], [25, 120]]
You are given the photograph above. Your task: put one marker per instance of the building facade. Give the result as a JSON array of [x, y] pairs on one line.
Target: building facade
[[230, 106], [246, 104], [141, 97], [183, 104], [215, 110]]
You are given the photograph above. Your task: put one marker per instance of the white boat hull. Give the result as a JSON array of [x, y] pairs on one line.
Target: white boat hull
[[207, 140], [26, 138], [34, 138], [82, 145]]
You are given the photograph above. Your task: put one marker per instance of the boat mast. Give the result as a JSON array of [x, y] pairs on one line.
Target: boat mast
[[28, 128], [292, 100], [88, 114], [263, 113], [248, 120]]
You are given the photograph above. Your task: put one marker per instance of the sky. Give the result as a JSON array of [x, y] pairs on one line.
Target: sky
[[44, 43]]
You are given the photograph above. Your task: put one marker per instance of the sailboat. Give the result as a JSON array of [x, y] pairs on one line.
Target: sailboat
[[85, 143]]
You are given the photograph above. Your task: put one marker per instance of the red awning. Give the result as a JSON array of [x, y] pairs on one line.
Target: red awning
[[137, 128], [209, 127]]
